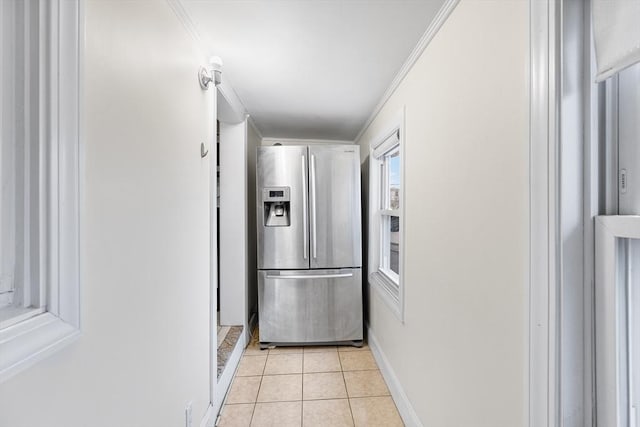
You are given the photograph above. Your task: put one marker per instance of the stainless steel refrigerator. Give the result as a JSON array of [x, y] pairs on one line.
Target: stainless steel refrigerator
[[309, 245]]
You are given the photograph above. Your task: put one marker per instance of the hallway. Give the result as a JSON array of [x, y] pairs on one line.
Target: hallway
[[310, 386]]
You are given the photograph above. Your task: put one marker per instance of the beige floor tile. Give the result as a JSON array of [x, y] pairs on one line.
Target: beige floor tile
[[320, 348], [244, 390], [375, 412], [285, 350], [277, 388], [277, 414], [283, 364], [251, 365], [236, 415], [321, 362], [364, 347], [323, 385], [357, 360], [322, 413], [365, 383], [253, 349]]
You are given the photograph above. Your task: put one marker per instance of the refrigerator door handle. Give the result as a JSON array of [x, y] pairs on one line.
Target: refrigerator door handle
[[310, 276], [312, 190], [305, 210]]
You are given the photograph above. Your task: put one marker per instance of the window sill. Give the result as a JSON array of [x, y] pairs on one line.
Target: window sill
[[10, 316], [30, 341], [388, 291]]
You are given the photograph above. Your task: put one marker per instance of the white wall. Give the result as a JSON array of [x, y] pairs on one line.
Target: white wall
[[233, 223], [253, 142], [145, 235], [461, 354]]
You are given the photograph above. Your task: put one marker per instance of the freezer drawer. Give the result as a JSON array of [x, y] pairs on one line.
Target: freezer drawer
[[310, 306]]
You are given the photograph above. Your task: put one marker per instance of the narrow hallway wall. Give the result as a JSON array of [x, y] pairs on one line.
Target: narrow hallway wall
[[144, 353], [461, 354], [253, 142]]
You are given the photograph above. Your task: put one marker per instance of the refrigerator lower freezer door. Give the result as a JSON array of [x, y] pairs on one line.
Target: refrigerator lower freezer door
[[310, 306]]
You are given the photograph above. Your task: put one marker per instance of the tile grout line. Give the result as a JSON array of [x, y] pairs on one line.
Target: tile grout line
[[314, 372], [255, 403], [353, 419]]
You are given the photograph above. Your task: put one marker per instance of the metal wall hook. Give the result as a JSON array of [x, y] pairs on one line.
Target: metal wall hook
[[203, 151]]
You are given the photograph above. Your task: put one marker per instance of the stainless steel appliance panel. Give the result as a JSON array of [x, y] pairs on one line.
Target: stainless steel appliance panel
[[310, 306], [283, 247], [334, 206]]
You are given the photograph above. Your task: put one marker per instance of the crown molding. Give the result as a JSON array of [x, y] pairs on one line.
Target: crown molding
[[255, 128], [184, 17], [422, 44]]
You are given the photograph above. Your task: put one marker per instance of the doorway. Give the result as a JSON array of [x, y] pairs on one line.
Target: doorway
[[233, 198]]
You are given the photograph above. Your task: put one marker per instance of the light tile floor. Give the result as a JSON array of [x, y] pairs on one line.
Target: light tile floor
[[308, 386]]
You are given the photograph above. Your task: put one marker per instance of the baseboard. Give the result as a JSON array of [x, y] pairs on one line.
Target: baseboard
[[222, 387], [401, 400], [209, 419]]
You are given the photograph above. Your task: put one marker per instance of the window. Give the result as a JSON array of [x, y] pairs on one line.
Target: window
[[385, 216], [20, 294], [617, 242], [39, 179], [618, 319]]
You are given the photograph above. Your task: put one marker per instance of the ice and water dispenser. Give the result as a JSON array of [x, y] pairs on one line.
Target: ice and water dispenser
[[276, 206]]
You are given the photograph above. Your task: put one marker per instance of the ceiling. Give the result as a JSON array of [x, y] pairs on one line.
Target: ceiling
[[311, 69]]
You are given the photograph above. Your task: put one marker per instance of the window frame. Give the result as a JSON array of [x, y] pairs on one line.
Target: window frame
[[59, 127], [388, 284]]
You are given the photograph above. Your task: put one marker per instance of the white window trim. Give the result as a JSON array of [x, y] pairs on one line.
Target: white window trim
[[30, 341], [384, 281]]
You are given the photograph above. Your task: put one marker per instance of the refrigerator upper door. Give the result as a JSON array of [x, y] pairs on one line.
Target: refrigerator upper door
[[334, 206], [282, 206]]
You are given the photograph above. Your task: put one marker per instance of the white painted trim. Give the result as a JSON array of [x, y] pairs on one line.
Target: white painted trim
[[31, 341], [302, 141], [620, 226], [185, 19], [610, 410], [232, 99], [252, 123], [591, 183], [229, 371], [60, 101], [429, 34], [213, 256], [408, 414], [209, 418], [376, 279], [542, 378]]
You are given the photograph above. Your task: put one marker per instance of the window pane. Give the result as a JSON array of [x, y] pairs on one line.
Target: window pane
[[10, 53], [393, 160], [19, 161], [394, 244], [7, 221]]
